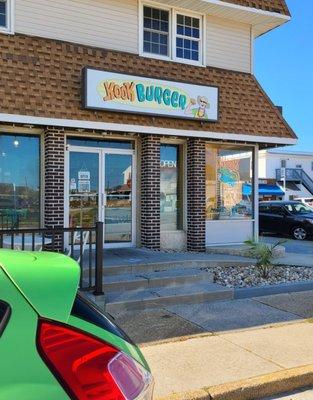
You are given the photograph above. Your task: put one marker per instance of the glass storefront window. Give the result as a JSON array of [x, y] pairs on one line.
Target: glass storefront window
[[229, 182], [171, 188], [19, 182]]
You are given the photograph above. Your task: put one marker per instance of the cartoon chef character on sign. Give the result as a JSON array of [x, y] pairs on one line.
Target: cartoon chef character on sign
[[197, 109]]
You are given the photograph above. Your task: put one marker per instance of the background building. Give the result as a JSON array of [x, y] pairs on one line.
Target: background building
[[292, 171]]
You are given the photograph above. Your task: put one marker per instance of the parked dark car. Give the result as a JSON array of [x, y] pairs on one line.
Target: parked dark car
[[287, 218]]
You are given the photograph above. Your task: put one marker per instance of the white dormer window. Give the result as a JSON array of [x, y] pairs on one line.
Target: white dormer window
[[171, 34], [188, 37], [156, 31], [6, 16]]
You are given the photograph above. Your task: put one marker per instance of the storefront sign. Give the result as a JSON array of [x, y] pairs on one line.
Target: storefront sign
[[168, 164], [134, 94]]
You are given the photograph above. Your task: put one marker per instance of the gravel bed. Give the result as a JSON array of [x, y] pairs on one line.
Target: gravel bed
[[249, 276]]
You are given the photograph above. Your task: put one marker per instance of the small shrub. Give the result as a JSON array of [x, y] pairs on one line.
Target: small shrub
[[264, 254]]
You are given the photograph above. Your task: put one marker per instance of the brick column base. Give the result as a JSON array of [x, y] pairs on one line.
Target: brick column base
[[150, 192], [196, 195], [54, 149]]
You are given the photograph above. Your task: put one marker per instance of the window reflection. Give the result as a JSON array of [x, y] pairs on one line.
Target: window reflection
[[229, 177], [118, 190], [84, 189], [171, 188], [19, 182]]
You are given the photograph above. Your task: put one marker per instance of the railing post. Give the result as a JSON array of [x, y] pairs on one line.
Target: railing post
[[99, 260]]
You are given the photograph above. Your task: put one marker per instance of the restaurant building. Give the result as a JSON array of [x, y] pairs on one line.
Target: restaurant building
[[144, 115]]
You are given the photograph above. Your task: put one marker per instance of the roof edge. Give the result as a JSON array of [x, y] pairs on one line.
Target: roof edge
[[282, 8], [280, 116], [132, 128]]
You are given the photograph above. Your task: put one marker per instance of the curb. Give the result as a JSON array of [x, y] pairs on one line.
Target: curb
[[253, 388], [246, 293]]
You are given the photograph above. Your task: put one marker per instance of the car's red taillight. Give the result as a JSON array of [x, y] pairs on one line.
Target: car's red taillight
[[90, 369]]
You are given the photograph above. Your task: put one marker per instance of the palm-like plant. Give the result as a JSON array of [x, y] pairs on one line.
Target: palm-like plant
[[264, 254]]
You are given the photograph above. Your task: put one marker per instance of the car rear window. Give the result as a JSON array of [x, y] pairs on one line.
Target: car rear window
[[88, 311], [5, 312]]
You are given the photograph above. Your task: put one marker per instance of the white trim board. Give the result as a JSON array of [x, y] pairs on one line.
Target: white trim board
[[106, 126], [250, 9]]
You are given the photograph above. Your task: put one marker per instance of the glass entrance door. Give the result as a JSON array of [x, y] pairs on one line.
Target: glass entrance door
[[101, 188], [118, 173]]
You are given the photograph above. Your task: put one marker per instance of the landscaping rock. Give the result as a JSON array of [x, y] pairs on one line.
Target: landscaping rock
[[249, 276]]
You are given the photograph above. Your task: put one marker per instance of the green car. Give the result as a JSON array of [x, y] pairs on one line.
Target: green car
[[56, 345]]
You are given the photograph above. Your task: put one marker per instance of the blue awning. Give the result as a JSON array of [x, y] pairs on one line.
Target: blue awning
[[264, 190]]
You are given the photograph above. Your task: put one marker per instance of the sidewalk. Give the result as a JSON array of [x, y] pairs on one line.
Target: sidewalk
[[197, 346], [209, 361]]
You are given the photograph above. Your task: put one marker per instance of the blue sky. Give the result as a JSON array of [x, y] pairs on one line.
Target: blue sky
[[284, 67]]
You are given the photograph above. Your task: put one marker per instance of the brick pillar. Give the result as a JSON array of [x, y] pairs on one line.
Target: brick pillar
[[196, 195], [150, 192], [54, 148]]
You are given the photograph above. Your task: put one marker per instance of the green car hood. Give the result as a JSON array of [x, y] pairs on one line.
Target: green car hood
[[49, 281]]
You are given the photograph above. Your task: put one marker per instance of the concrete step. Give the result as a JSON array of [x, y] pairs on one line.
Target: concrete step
[[141, 299], [138, 268], [155, 279]]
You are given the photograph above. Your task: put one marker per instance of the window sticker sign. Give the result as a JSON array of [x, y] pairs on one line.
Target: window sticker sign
[[84, 186], [112, 91], [84, 175], [73, 185]]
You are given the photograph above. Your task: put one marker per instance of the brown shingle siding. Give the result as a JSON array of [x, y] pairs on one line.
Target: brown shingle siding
[[278, 6], [43, 77]]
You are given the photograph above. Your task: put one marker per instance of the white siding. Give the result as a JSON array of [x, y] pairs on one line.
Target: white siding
[[113, 25], [102, 23], [262, 166], [228, 232], [228, 44]]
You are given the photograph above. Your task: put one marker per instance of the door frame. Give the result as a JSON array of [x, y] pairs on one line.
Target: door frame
[[102, 152]]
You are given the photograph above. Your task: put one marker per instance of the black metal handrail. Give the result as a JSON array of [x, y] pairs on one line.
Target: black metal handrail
[[85, 245]]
